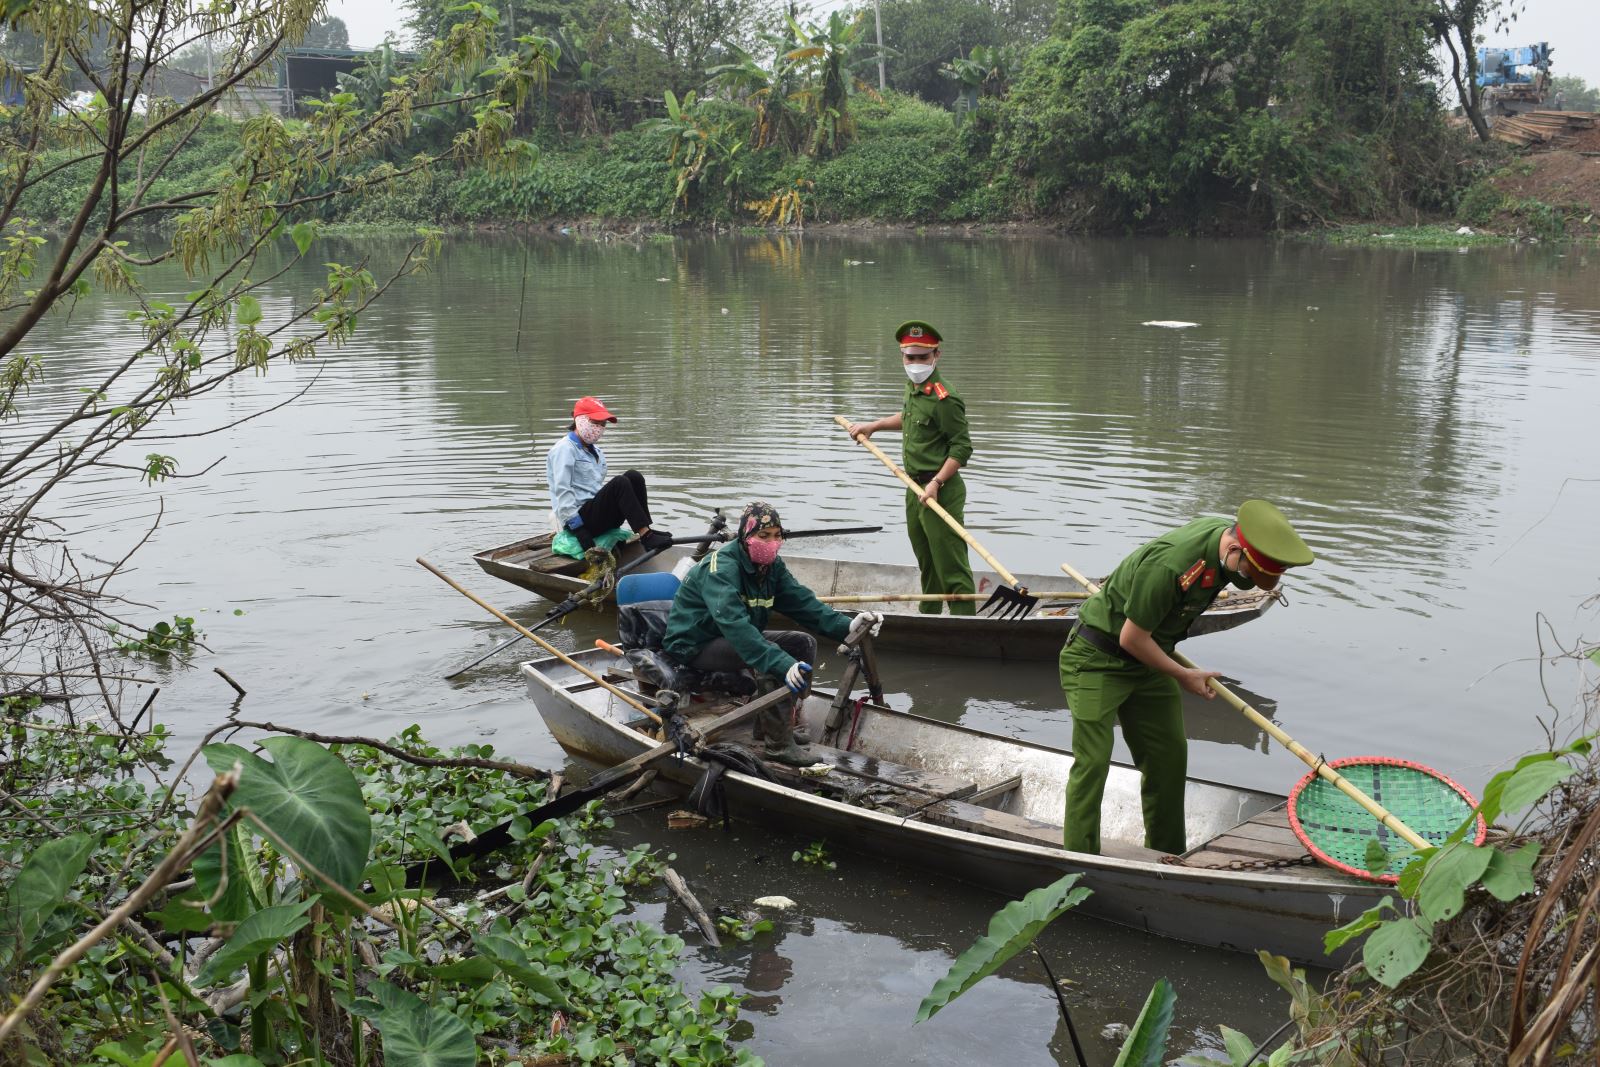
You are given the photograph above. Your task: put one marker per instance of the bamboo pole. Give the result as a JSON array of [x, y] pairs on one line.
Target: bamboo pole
[[541, 642], [1376, 810]]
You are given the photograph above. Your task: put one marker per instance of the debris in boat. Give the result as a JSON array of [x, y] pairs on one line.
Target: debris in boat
[[686, 820], [816, 770], [776, 903], [1170, 324]]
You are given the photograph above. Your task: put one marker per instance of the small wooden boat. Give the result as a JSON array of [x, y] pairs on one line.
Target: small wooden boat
[[531, 564], [987, 809]]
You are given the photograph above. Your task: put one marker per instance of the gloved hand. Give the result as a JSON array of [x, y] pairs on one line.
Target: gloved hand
[[796, 678], [585, 538], [865, 622]]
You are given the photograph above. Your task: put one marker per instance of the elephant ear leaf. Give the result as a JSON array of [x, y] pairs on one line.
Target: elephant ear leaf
[[1147, 1044], [308, 797], [38, 889], [417, 1034], [1011, 929]]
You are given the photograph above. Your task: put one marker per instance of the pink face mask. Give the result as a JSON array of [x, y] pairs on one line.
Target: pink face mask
[[762, 553], [589, 431]]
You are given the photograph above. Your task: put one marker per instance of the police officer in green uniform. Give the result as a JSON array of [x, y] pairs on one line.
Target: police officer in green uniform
[[1117, 662], [934, 448]]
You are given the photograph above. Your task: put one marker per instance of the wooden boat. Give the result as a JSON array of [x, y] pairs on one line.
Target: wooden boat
[[987, 809], [531, 564]]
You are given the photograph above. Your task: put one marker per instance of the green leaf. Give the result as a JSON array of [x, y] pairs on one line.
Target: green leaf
[[238, 1059], [1509, 876], [302, 234], [1353, 929], [513, 962], [1445, 883], [257, 934], [1594, 653], [415, 1034], [1531, 783], [1396, 949], [474, 970], [1240, 1046], [1011, 929], [308, 797], [249, 312], [1147, 1044], [1376, 859], [40, 887], [180, 917], [237, 899]]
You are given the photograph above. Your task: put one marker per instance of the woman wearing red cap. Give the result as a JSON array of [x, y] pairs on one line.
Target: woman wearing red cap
[[587, 505]]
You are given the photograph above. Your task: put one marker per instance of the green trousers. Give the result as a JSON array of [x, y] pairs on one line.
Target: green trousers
[[940, 551], [1101, 689]]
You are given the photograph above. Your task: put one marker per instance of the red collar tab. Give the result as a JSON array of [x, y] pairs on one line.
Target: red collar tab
[[1259, 559]]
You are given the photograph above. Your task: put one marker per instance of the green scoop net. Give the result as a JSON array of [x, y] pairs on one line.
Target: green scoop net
[[1336, 830]]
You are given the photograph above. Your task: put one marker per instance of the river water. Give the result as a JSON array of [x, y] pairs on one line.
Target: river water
[[1426, 419]]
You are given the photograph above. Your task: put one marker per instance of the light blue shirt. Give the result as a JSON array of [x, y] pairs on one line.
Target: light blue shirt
[[576, 474]]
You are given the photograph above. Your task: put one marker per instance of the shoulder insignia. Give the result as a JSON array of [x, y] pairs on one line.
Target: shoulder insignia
[[1192, 575], [940, 391], [1209, 578], [927, 389]]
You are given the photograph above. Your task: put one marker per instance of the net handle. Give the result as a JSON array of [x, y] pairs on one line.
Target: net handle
[[1316, 763]]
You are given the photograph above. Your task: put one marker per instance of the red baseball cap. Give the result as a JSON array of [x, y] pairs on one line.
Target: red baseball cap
[[592, 408]]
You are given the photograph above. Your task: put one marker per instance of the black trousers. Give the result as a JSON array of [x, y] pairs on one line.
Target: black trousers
[[719, 655], [622, 499]]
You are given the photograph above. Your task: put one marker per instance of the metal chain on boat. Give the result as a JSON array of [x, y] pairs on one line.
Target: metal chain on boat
[[1242, 865]]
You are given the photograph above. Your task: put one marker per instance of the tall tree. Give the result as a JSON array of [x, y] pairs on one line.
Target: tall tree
[[1458, 24], [330, 32], [230, 228]]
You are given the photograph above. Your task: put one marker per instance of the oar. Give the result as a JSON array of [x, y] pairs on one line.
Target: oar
[[1339, 781], [1010, 600], [900, 598], [541, 642]]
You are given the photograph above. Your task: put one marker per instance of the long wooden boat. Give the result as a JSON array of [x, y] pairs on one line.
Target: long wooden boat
[[987, 809], [531, 564]]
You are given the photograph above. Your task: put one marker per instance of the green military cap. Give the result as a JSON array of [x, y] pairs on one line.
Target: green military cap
[[917, 332], [1268, 540]]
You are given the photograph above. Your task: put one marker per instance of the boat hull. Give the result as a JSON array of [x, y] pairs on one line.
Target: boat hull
[[1286, 912], [528, 563]]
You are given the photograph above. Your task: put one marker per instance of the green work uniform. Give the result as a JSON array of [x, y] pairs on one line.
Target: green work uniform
[[934, 428], [727, 595], [1163, 587]]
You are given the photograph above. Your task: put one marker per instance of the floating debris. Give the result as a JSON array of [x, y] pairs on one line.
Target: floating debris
[[777, 903], [1170, 324]]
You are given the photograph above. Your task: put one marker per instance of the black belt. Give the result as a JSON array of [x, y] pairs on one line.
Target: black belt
[[922, 477], [1101, 640]]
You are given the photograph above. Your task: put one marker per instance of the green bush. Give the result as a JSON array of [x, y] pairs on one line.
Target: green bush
[[1480, 203], [901, 178]]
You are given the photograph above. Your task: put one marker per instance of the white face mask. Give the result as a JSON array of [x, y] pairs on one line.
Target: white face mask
[[919, 372], [589, 431]]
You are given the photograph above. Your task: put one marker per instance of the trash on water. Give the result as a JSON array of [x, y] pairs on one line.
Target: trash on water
[[1170, 324]]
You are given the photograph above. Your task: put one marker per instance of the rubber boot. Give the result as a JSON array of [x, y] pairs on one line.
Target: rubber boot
[[779, 746], [798, 728]]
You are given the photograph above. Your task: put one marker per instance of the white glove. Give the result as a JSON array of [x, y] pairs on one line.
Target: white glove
[[796, 678], [867, 621]]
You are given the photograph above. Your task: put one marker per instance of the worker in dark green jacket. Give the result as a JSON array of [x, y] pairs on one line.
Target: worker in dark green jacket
[[934, 447], [719, 618], [1117, 663]]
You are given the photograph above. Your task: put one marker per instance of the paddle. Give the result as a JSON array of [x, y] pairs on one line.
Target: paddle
[[1323, 770], [1008, 601]]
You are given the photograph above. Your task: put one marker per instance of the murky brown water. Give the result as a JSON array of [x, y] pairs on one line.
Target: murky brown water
[[1427, 419]]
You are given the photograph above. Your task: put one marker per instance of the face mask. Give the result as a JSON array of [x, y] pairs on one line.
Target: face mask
[[589, 431], [919, 372], [762, 553]]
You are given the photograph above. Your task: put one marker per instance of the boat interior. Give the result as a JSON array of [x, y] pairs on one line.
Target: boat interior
[[982, 783]]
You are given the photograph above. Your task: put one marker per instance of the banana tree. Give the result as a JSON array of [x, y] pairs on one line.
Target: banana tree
[[825, 56], [701, 150], [574, 79], [768, 91]]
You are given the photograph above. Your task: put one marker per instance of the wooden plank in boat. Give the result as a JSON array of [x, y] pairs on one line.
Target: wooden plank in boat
[[998, 791], [1002, 824]]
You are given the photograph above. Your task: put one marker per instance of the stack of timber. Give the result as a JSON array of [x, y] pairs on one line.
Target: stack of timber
[[1542, 127]]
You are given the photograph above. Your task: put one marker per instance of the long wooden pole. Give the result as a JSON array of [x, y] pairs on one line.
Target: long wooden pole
[[1376, 810], [901, 598], [894, 468], [541, 642]]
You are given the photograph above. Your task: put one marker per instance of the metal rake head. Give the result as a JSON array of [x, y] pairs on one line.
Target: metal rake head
[[1009, 603]]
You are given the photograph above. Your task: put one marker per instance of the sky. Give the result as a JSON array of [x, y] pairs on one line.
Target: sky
[[1571, 26]]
